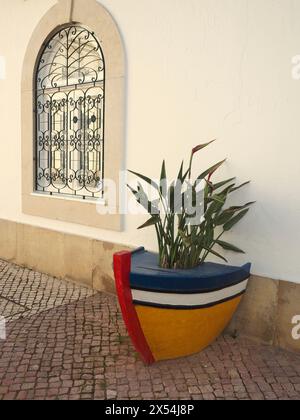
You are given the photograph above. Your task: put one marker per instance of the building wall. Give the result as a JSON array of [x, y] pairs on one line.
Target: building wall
[[196, 70]]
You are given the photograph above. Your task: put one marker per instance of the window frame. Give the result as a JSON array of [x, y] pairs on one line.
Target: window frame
[[89, 14]]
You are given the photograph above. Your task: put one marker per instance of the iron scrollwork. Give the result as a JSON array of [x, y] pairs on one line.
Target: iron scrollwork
[[70, 102]]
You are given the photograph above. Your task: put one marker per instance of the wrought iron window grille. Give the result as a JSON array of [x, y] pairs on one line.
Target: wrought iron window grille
[[69, 114]]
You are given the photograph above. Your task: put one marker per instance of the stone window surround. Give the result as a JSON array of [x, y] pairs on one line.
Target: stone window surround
[[95, 17]]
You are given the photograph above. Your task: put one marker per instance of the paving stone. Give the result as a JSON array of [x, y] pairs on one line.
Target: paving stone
[[9, 309], [24, 292], [67, 342]]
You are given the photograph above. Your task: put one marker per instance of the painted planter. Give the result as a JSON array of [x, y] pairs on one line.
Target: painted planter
[[175, 313]]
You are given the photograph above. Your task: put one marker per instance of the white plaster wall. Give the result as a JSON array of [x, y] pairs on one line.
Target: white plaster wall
[[197, 69]]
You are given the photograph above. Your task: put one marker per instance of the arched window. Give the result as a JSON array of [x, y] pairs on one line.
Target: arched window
[[70, 105], [75, 84]]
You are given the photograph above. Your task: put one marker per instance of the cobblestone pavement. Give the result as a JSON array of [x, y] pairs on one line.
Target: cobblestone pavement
[[24, 292], [67, 342]]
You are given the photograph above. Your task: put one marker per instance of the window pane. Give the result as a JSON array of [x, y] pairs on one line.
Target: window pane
[[70, 115]]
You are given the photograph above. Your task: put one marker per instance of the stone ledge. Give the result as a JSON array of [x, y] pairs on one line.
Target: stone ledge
[[71, 257], [266, 313]]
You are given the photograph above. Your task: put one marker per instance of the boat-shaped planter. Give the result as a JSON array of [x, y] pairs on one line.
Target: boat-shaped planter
[[175, 313]]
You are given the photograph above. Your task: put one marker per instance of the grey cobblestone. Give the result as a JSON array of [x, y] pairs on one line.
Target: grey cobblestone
[[24, 292], [70, 343]]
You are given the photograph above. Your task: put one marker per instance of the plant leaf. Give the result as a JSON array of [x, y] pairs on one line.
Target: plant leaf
[[134, 192], [234, 209], [142, 199], [222, 218], [209, 234], [240, 186], [202, 146], [171, 199], [215, 207], [146, 179], [185, 239], [216, 254], [221, 184], [180, 175], [163, 180], [227, 214], [229, 247], [218, 198], [226, 191], [211, 170], [229, 225], [152, 221], [163, 175]]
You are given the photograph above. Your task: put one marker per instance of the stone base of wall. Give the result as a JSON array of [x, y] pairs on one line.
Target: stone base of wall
[[266, 312], [76, 258]]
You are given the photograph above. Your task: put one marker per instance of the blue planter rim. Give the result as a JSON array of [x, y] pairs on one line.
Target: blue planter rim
[[148, 276]]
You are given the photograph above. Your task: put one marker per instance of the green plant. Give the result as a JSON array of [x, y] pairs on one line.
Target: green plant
[[183, 242]]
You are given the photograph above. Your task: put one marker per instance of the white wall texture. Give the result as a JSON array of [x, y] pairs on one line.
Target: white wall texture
[[197, 69]]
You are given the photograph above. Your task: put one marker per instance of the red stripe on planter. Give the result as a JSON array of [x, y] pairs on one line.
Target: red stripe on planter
[[122, 267]]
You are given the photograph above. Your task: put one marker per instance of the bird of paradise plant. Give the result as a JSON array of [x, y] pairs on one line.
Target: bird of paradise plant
[[185, 240]]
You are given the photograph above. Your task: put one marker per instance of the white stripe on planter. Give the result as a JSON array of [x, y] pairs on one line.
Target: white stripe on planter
[[200, 299]]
